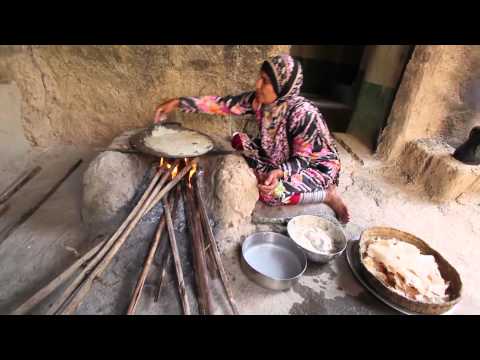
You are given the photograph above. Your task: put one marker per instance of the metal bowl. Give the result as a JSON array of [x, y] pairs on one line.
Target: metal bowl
[[272, 260], [333, 230]]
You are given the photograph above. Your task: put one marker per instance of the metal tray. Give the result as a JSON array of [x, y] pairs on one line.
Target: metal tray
[[353, 258], [137, 141], [272, 260]]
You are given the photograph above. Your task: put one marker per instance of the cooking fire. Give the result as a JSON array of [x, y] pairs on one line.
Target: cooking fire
[[169, 186]]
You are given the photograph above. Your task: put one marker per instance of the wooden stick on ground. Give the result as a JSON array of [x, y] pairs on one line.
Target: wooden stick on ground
[[125, 151], [85, 287], [137, 293], [165, 266], [18, 183], [7, 231], [166, 254], [3, 208], [176, 258], [212, 269], [109, 243], [348, 149], [55, 283], [200, 266], [213, 247]]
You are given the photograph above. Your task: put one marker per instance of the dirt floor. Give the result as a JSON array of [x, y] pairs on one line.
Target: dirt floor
[[51, 240], [379, 196]]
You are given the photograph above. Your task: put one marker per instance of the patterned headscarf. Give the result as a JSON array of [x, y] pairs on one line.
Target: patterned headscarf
[[287, 78], [286, 75]]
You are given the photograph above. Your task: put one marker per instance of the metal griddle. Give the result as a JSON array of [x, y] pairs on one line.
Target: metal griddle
[[137, 141]]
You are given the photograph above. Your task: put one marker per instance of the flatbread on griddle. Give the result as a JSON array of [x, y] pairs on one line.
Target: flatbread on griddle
[[178, 143]]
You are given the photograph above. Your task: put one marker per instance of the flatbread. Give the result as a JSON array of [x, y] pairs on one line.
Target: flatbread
[[178, 143], [404, 269]]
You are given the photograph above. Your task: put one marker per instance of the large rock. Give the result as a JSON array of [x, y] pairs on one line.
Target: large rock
[[111, 182], [236, 192]]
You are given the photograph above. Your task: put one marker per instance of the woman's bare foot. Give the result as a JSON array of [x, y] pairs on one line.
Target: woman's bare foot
[[334, 200]]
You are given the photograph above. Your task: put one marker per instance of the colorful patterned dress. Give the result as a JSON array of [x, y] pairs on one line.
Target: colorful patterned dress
[[293, 137]]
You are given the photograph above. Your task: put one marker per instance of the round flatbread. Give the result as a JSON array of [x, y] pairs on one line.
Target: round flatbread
[[178, 142]]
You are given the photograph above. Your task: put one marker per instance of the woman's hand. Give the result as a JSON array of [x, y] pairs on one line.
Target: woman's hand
[[165, 108], [270, 182]]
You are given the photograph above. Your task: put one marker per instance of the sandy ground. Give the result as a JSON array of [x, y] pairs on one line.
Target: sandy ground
[[54, 237], [377, 196]]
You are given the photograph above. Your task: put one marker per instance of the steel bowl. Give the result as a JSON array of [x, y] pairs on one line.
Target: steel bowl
[[272, 260], [333, 230]]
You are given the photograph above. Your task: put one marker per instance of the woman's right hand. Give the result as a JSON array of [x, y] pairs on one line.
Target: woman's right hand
[[165, 108]]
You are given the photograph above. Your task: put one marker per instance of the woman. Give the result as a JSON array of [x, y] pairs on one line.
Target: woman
[[294, 158]]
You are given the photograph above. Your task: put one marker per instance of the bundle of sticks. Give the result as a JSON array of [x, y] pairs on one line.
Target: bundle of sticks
[[93, 263]]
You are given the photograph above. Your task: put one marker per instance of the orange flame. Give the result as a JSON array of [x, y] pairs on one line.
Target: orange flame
[[192, 172], [168, 166], [161, 162], [174, 171]]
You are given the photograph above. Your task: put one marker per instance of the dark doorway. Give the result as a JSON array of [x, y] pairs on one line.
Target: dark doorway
[[330, 79], [354, 86]]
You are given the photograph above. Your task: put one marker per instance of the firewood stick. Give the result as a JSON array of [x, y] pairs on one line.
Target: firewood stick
[[98, 257], [7, 231], [169, 186], [182, 290], [214, 248], [348, 149], [210, 262], [204, 274], [149, 260], [3, 208], [165, 267], [86, 285], [209, 268], [18, 183], [201, 271], [55, 283], [167, 252], [191, 233], [146, 268], [80, 277]]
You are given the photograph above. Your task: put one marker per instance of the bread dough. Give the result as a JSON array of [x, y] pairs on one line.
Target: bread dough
[[178, 143], [307, 233], [403, 268], [318, 239]]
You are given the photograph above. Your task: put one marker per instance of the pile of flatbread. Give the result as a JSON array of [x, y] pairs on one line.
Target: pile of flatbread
[[402, 267]]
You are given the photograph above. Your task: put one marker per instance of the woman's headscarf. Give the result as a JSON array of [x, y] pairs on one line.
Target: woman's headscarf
[[286, 76]]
